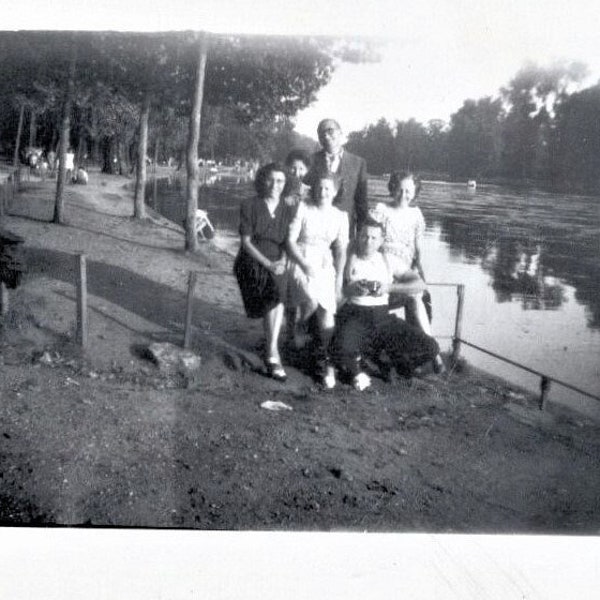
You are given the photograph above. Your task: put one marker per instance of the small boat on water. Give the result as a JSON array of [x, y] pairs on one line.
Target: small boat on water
[[472, 184]]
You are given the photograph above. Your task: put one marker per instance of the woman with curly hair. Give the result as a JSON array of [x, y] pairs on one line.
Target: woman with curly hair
[[260, 266], [404, 226]]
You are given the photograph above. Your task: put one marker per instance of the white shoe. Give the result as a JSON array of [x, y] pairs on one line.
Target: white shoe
[[361, 382], [329, 378]]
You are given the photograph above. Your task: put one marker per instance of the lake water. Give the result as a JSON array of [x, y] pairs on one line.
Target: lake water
[[530, 262]]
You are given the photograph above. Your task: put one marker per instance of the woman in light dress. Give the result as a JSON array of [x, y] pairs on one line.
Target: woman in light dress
[[404, 226], [317, 243]]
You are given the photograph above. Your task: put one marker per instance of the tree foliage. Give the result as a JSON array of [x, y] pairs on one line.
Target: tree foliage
[[256, 79], [126, 85], [474, 139], [576, 141], [537, 129]]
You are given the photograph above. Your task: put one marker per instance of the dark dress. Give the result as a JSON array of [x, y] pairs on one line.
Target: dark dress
[[261, 290]]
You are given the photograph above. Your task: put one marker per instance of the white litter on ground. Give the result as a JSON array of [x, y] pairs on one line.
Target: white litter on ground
[[275, 405]]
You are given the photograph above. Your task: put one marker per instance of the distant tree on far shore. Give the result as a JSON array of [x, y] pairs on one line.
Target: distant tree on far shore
[[537, 130]]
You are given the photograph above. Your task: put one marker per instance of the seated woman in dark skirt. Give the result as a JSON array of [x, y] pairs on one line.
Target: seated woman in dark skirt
[[260, 266]]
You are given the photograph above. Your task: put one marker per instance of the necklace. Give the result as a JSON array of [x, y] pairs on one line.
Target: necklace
[[272, 206]]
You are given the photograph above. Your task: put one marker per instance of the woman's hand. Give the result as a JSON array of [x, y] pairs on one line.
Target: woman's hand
[[384, 288], [277, 267], [309, 271]]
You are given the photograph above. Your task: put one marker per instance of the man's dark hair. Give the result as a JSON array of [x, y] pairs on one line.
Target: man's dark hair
[[297, 154], [371, 222], [324, 122]]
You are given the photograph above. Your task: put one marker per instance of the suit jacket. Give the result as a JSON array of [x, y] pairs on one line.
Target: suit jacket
[[352, 196]]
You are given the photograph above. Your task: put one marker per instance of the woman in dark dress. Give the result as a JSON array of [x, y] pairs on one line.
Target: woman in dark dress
[[260, 266]]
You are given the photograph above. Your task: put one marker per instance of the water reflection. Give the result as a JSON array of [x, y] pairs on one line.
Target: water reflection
[[518, 272], [519, 255], [530, 245]]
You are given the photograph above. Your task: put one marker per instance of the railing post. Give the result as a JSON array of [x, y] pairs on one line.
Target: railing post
[[187, 336], [82, 314], [544, 389], [460, 293]]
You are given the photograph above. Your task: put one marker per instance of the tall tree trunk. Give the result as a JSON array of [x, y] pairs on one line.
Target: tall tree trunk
[[193, 179], [19, 132], [63, 144], [54, 143], [81, 151], [107, 151], [139, 208], [155, 158], [32, 128], [122, 156], [95, 157]]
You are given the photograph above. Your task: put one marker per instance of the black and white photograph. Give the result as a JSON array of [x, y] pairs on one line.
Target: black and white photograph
[[300, 299]]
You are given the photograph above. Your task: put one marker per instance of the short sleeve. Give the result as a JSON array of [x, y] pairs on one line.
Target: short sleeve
[[419, 224], [378, 213], [246, 220], [296, 223]]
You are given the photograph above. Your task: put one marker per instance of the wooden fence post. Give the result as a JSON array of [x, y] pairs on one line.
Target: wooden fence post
[[8, 194], [544, 389], [82, 314], [460, 292], [187, 336], [3, 299]]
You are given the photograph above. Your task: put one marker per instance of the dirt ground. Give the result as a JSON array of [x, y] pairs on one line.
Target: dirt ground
[[105, 438]]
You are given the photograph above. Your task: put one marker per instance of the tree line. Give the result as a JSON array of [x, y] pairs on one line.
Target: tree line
[[119, 99], [536, 130]]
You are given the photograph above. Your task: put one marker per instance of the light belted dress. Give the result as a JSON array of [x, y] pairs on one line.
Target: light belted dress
[[315, 231]]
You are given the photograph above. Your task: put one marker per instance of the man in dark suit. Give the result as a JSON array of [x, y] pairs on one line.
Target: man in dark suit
[[351, 169]]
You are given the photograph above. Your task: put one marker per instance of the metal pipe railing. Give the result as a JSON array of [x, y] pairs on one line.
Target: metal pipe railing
[[457, 340]]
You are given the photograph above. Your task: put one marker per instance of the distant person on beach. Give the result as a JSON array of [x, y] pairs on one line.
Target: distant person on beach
[[365, 328], [260, 266], [297, 163], [351, 170], [69, 164], [51, 156], [81, 176], [403, 229], [317, 244]]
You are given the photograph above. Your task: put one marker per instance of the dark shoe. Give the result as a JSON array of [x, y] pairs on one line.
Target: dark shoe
[[276, 371]]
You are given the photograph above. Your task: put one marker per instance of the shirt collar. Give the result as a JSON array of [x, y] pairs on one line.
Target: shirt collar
[[337, 154]]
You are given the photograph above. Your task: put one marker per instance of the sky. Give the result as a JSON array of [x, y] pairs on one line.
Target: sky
[[437, 53]]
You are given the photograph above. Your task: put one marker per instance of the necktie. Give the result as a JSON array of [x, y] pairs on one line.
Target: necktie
[[332, 160]]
